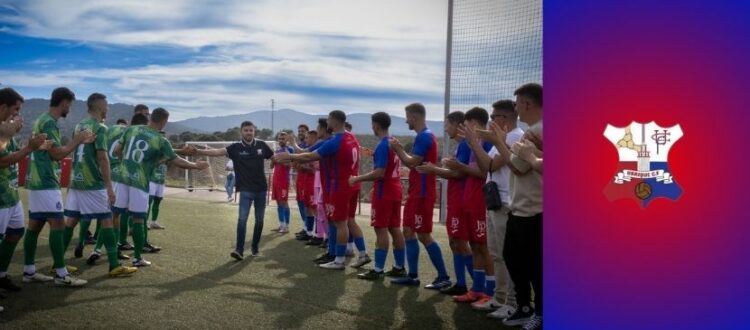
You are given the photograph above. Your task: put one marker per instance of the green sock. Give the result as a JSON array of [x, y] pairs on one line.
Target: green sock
[[138, 239], [96, 231], [107, 236], [145, 231], [56, 246], [124, 219], [29, 247], [6, 253], [99, 240], [83, 232], [148, 211], [155, 209], [68, 236]]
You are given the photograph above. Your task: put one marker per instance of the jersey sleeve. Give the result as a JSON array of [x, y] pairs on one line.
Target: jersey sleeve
[[167, 149], [101, 138], [330, 147], [422, 144], [380, 157], [52, 133], [267, 152], [486, 146], [463, 152]]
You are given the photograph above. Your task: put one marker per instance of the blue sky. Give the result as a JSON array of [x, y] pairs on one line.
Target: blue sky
[[230, 57]]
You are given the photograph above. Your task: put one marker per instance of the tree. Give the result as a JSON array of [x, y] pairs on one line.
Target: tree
[[264, 134]]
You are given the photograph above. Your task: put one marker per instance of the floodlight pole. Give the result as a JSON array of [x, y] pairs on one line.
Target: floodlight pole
[[272, 104], [446, 110]]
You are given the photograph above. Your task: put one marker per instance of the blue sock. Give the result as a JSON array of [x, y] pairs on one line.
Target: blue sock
[[360, 243], [458, 266], [412, 256], [469, 262], [287, 215], [351, 237], [340, 253], [479, 279], [489, 286], [332, 239], [302, 214], [280, 211], [380, 256], [398, 258], [436, 256], [310, 223]]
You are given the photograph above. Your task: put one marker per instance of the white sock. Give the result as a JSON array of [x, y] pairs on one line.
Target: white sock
[[340, 260], [377, 269], [362, 254], [3, 274], [61, 272], [29, 269], [350, 246]]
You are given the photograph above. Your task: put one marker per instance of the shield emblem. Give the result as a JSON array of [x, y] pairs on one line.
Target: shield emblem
[[643, 171]]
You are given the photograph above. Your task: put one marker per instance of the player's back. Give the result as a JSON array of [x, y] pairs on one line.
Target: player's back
[[86, 172], [423, 185], [44, 172], [143, 149], [389, 186], [114, 134]]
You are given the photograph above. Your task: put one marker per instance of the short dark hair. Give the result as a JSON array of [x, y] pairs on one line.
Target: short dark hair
[[61, 94], [122, 121], [323, 123], [246, 123], [280, 133], [338, 115], [303, 126], [532, 91], [504, 105], [382, 119], [159, 115], [9, 97], [139, 119], [313, 132], [139, 107], [416, 108], [478, 114], [455, 117], [348, 126], [91, 101]]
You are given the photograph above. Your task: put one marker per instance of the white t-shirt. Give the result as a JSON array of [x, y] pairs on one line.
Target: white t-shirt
[[501, 176], [230, 166]]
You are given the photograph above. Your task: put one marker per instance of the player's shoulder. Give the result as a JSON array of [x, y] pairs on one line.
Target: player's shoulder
[[515, 135]]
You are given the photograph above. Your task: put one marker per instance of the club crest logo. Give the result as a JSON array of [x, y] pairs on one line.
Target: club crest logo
[[643, 172]]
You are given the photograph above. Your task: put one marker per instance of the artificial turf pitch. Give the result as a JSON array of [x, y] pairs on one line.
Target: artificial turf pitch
[[194, 284]]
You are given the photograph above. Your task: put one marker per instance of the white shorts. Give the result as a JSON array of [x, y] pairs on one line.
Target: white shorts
[[156, 189], [45, 204], [132, 200], [88, 204], [11, 217]]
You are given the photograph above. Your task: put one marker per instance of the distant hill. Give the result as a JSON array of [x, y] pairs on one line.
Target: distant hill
[[290, 119], [33, 108]]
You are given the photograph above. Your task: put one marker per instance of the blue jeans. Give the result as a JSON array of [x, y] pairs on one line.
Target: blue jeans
[[229, 185], [247, 198]]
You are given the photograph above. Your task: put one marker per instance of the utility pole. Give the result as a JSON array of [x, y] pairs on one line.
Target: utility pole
[[446, 109], [272, 130]]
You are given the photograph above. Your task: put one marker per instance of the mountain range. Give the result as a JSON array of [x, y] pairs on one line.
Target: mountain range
[[290, 119], [283, 119]]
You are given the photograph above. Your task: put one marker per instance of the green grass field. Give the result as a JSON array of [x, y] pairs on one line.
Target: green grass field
[[193, 283]]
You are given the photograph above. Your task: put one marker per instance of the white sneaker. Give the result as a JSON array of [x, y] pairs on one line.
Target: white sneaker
[[1, 308], [69, 281], [502, 313], [283, 230], [155, 225], [361, 261], [36, 277], [141, 263], [333, 265], [230, 199], [349, 253], [533, 324], [489, 305]]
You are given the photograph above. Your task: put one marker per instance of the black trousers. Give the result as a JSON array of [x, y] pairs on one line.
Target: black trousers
[[523, 257]]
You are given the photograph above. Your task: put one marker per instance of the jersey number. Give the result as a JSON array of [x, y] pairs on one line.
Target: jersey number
[[138, 151]]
